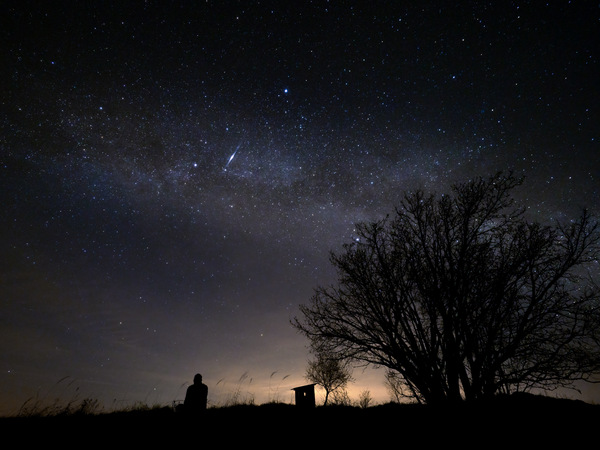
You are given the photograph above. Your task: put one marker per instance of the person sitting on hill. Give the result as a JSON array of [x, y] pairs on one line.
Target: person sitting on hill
[[196, 396]]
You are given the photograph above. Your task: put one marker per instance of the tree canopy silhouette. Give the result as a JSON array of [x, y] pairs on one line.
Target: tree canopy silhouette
[[464, 297]]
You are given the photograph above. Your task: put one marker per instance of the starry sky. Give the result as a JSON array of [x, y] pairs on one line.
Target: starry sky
[[173, 175]]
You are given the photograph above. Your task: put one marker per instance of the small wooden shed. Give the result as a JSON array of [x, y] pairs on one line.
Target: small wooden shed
[[305, 396]]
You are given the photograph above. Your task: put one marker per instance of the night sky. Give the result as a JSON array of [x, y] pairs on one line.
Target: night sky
[[173, 175]]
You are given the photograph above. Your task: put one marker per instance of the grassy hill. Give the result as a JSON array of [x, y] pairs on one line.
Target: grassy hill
[[516, 421]]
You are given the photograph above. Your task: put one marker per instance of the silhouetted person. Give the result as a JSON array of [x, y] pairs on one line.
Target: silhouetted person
[[196, 397]]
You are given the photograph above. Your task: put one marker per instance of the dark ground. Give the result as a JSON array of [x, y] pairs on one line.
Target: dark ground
[[516, 421]]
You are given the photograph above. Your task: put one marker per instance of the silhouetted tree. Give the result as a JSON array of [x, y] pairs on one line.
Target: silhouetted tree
[[463, 297], [329, 372]]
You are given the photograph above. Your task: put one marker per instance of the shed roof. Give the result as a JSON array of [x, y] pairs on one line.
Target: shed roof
[[302, 388]]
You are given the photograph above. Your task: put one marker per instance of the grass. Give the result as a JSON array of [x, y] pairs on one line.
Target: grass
[[236, 420], [525, 420]]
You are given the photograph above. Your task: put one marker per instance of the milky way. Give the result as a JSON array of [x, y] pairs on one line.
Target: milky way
[[174, 175]]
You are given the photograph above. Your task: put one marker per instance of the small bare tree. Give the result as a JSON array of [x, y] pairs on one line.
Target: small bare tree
[[365, 399], [329, 372]]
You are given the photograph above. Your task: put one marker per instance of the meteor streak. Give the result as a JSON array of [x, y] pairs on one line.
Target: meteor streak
[[232, 156]]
